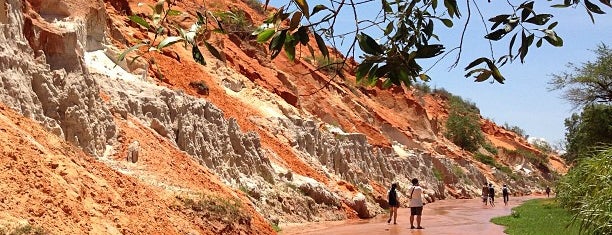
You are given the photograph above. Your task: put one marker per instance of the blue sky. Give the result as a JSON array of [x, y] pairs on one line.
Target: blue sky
[[523, 100]]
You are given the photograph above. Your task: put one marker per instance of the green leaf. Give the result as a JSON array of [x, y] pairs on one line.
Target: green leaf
[[303, 5], [200, 18], [447, 22], [277, 43], [424, 77], [527, 9], [452, 8], [525, 43], [540, 19], [321, 45], [159, 7], [551, 26], [318, 8], [168, 41], [429, 51], [311, 50], [197, 55], [265, 35], [500, 18], [172, 12], [136, 19], [121, 57], [362, 70], [136, 57], [496, 35], [606, 2], [555, 41], [213, 51], [386, 7], [369, 45], [496, 74], [266, 4], [593, 8], [539, 43], [290, 43], [512, 44], [429, 27], [372, 74], [389, 28], [302, 34], [560, 6], [295, 20], [483, 76], [476, 62]]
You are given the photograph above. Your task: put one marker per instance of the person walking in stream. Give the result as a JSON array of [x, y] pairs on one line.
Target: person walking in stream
[[416, 203], [393, 203]]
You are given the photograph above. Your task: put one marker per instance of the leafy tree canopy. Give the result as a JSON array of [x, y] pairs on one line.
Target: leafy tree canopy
[[589, 83], [409, 30], [592, 128]]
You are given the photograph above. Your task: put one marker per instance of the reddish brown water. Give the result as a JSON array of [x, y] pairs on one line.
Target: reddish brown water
[[468, 216]]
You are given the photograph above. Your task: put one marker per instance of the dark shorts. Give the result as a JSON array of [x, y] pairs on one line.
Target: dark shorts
[[393, 204], [416, 210]]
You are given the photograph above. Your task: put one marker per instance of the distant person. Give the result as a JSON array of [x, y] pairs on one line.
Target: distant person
[[393, 203], [485, 193], [506, 194], [491, 195], [547, 191], [416, 203]]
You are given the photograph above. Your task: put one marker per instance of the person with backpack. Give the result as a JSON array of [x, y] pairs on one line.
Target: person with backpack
[[491, 195], [393, 203], [506, 194]]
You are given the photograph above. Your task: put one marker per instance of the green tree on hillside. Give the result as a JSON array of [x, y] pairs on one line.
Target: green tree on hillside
[[589, 83], [592, 128], [588, 86], [463, 124]]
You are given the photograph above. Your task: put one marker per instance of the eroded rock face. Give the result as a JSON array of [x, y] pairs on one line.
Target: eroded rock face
[[66, 103], [194, 125]]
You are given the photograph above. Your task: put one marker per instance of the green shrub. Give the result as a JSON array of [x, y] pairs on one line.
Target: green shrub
[[464, 131], [438, 174], [442, 93], [26, 229], [255, 5], [538, 216], [490, 148], [515, 129], [423, 87], [235, 21], [276, 228], [587, 191], [329, 66], [216, 208], [485, 159]]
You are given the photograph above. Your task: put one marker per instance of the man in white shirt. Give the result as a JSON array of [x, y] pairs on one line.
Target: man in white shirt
[[416, 203]]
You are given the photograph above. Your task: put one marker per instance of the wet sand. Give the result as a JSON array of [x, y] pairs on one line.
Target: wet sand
[[456, 216]]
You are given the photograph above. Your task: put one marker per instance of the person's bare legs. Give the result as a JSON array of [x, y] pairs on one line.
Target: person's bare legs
[[411, 221], [391, 210], [395, 215], [418, 219]]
